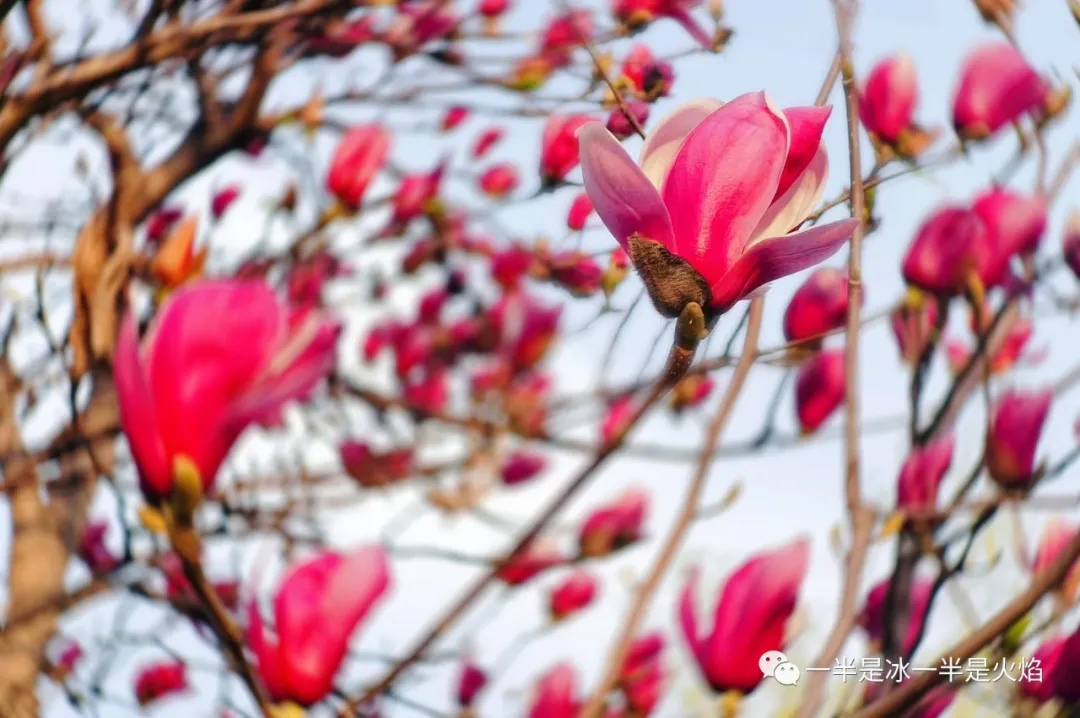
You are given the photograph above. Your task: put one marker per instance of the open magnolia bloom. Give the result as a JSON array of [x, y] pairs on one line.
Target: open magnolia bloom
[[709, 215]]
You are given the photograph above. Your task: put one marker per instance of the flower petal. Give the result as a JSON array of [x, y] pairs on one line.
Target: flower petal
[[663, 143], [778, 257], [791, 209], [688, 615], [807, 124], [722, 181], [623, 198], [137, 415]]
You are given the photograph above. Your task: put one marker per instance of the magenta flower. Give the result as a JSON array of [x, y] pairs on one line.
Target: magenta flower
[[997, 86], [887, 101], [221, 355], [872, 617], [471, 681], [1016, 424], [555, 694], [922, 472], [709, 216], [750, 617], [574, 593], [318, 605]]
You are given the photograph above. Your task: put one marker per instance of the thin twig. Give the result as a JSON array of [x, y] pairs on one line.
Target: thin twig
[[859, 516], [683, 521], [678, 362]]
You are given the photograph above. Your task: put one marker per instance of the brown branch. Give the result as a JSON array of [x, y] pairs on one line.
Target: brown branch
[[36, 576], [68, 82], [911, 691], [859, 516], [675, 368], [683, 521]]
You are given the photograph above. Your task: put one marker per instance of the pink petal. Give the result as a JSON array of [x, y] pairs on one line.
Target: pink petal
[[209, 343], [791, 209], [266, 652], [623, 198], [687, 615], [663, 143], [769, 577], [772, 259], [683, 17], [355, 587], [137, 417], [296, 605], [722, 181], [807, 124], [305, 358]]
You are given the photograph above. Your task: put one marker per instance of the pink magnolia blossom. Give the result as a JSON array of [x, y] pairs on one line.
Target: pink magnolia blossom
[[559, 147], [93, 550], [318, 606], [340, 39], [538, 557], [649, 77], [525, 327], [1066, 674], [1071, 243], [220, 355], [997, 86], [499, 180], [160, 680], [223, 199], [887, 101], [872, 617], [564, 33], [709, 216], [359, 156], [580, 209], [574, 593], [555, 694], [486, 140], [577, 272], [1048, 655], [161, 223], [521, 466], [1016, 424], [691, 391], [643, 676], [820, 389], [1010, 352], [617, 418], [1055, 538], [913, 326], [952, 249], [619, 125], [750, 616], [471, 681], [509, 266], [414, 193], [418, 23], [614, 526], [493, 8], [428, 394], [636, 14], [922, 472], [68, 656], [1019, 221], [818, 307], [453, 117]]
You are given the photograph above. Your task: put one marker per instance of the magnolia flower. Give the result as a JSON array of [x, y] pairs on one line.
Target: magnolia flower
[[318, 605], [221, 355], [709, 215]]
